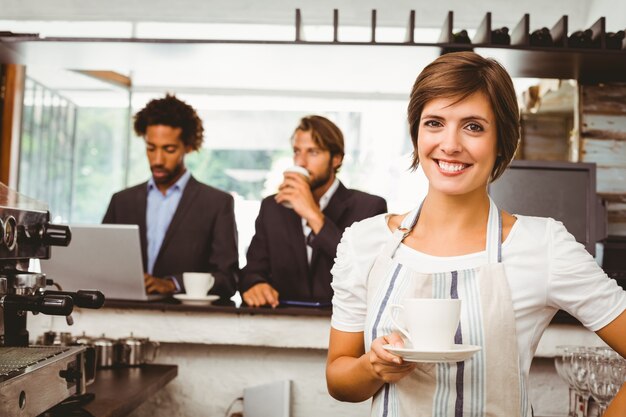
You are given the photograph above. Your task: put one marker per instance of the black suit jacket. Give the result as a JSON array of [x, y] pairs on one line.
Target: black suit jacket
[[202, 236], [277, 252]]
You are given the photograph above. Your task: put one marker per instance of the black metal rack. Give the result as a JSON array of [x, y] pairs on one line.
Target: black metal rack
[[520, 34], [591, 63]]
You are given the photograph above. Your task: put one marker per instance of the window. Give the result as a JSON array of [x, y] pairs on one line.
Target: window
[[87, 142], [46, 168]]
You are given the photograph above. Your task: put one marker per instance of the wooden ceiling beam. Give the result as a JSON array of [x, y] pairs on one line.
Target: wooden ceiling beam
[[110, 77]]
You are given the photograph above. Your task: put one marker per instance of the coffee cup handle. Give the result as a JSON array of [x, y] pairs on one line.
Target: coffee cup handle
[[394, 308]]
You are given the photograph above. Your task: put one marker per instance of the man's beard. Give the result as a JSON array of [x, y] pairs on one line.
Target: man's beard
[[323, 179], [171, 175]]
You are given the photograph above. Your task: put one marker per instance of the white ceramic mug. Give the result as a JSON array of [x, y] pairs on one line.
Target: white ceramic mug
[[429, 323], [298, 170], [198, 284]]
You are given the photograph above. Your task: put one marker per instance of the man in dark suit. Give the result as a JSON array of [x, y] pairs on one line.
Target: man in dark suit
[[298, 229], [185, 226]]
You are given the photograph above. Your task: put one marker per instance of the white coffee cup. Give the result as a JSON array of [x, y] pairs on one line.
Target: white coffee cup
[[298, 170], [198, 284], [429, 323]]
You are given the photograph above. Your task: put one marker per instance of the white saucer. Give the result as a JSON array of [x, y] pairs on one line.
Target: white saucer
[[458, 353], [196, 301]]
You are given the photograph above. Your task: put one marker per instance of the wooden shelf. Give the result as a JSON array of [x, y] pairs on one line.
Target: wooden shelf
[[120, 391]]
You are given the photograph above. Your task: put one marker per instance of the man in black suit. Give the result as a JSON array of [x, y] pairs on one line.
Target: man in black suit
[[293, 249], [185, 226]]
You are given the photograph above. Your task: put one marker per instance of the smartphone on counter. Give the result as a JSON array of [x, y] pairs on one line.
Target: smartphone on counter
[[295, 303]]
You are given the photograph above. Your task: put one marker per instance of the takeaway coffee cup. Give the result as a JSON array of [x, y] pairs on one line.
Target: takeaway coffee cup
[[429, 323], [198, 284], [298, 170]]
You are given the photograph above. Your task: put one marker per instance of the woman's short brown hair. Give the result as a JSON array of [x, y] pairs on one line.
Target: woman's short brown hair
[[325, 134], [458, 75]]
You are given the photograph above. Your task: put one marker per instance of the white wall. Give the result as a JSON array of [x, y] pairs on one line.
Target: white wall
[[613, 10], [395, 13], [211, 377]]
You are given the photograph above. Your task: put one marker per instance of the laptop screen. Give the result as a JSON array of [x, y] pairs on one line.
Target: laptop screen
[[105, 257]]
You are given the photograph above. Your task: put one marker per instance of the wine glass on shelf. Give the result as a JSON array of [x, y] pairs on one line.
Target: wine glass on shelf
[[563, 364], [602, 384], [619, 368], [580, 375]]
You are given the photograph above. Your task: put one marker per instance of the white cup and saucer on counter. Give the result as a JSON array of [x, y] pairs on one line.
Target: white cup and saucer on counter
[[197, 286], [298, 170], [429, 326]]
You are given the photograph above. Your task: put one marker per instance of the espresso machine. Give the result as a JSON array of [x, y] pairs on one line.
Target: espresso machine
[[35, 378]]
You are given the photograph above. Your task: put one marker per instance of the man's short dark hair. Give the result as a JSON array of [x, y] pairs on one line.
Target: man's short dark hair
[[170, 111], [325, 134]]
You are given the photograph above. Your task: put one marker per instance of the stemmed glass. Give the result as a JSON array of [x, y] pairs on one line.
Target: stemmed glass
[[563, 365], [618, 374], [580, 374], [602, 384]]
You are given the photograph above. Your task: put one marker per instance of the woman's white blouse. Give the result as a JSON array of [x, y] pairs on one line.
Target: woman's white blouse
[[545, 267]]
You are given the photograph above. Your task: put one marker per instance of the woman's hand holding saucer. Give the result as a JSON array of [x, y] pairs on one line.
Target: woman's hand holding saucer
[[385, 365]]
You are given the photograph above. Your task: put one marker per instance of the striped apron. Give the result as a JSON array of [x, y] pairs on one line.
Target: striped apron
[[490, 382]]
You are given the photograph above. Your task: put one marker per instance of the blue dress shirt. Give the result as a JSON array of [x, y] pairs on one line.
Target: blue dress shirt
[[160, 210]]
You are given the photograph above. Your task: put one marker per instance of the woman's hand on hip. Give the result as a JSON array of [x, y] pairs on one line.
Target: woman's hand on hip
[[385, 365]]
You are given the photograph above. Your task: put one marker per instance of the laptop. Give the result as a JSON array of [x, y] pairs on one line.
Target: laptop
[[104, 257]]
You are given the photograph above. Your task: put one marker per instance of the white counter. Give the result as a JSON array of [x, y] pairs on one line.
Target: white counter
[[219, 354], [202, 327], [221, 351]]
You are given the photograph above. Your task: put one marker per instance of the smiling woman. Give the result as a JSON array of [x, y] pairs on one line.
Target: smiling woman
[[458, 139], [510, 273], [455, 85]]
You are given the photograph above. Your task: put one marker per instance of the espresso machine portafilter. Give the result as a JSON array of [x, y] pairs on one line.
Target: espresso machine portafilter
[[35, 378]]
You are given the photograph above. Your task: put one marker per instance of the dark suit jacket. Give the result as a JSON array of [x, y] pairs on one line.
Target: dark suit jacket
[[202, 236], [277, 253]]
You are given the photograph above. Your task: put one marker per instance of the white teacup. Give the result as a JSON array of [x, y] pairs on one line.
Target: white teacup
[[198, 284], [298, 170], [429, 323]]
